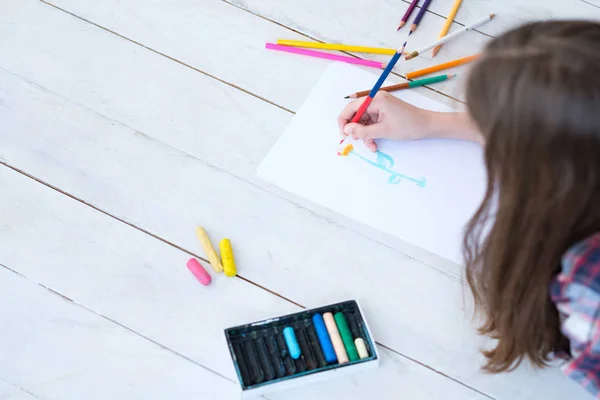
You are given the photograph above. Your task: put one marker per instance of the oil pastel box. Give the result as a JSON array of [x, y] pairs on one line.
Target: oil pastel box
[[297, 349]]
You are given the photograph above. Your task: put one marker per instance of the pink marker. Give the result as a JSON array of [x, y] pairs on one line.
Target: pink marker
[[328, 56], [198, 271]]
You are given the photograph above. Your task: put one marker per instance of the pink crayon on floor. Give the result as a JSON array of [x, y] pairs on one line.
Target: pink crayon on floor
[[199, 271], [328, 56]]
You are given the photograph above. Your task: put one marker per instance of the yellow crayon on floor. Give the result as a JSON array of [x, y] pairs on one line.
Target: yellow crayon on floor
[[209, 250], [227, 257]]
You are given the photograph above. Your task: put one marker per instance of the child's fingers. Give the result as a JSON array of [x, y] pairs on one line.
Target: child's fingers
[[372, 131], [371, 145], [348, 113]]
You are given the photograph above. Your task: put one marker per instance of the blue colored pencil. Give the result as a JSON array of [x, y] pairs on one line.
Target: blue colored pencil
[[378, 84], [419, 16]]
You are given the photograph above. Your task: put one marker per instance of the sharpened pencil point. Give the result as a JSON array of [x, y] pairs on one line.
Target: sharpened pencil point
[[402, 23], [435, 51], [347, 97], [492, 16]]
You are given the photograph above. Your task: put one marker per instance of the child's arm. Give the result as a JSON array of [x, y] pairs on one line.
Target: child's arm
[[455, 125], [391, 118]]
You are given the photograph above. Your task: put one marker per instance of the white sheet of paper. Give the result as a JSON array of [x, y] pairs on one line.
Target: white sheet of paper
[[423, 192]]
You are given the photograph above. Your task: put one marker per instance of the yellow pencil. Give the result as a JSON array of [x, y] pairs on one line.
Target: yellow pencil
[[336, 46], [447, 25]]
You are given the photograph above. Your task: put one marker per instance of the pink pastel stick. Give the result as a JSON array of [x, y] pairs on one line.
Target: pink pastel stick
[[328, 56], [198, 271]]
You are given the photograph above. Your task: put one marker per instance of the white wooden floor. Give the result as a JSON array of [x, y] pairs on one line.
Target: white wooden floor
[[126, 123]]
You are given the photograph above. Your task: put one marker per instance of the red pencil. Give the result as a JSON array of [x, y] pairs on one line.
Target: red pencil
[[406, 16]]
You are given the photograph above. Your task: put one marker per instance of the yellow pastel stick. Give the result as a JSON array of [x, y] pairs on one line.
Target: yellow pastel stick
[[336, 46], [227, 257], [209, 250]]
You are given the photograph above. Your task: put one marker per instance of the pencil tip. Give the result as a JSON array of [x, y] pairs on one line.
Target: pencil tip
[[347, 97], [492, 16], [435, 51]]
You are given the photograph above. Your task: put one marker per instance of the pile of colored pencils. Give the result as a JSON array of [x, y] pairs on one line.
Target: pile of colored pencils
[[307, 49], [312, 49]]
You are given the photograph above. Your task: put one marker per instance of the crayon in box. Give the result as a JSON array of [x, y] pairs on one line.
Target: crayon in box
[[264, 363]]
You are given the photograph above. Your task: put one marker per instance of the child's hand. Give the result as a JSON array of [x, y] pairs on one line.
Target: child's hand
[[387, 117]]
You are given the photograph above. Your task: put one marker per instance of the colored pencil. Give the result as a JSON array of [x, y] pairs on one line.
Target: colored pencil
[[441, 67], [377, 85], [447, 25], [409, 11], [419, 16], [328, 56], [336, 46], [405, 85], [451, 36]]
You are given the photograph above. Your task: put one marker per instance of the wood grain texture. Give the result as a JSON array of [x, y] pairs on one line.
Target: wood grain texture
[[178, 28], [141, 284], [54, 348]]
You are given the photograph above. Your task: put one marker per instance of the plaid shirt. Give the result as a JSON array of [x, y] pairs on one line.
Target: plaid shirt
[[576, 293]]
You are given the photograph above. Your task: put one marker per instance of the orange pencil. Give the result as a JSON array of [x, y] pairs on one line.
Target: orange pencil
[[441, 67]]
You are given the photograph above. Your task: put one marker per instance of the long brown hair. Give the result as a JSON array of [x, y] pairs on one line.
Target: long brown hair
[[535, 96]]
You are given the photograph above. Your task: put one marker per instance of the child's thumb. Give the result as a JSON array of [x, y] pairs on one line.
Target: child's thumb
[[358, 131]]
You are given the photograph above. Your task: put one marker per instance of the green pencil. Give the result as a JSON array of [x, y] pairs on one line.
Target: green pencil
[[405, 85]]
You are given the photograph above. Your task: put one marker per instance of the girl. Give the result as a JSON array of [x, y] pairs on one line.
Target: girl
[[533, 102]]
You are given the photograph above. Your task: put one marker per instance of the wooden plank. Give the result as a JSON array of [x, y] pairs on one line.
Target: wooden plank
[[413, 308], [142, 284], [309, 15], [178, 28], [54, 348], [512, 13]]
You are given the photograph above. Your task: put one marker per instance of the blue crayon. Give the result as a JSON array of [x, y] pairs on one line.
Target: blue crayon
[[291, 342], [324, 339]]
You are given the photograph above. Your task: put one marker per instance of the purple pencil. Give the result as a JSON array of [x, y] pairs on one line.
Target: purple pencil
[[406, 16], [419, 16]]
